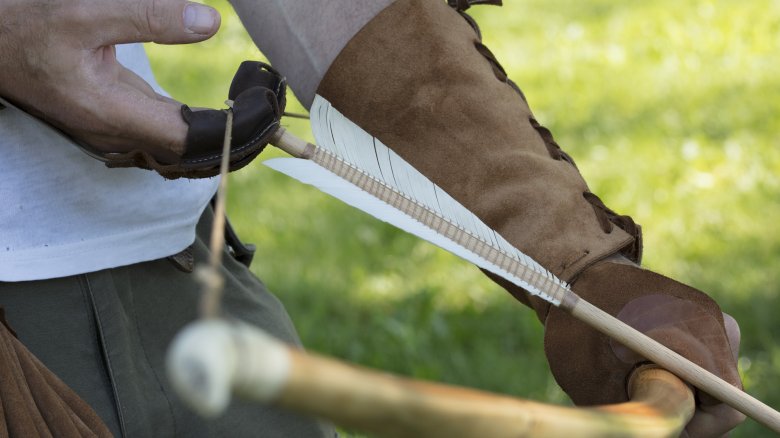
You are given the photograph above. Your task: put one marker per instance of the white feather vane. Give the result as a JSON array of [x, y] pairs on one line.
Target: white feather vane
[[353, 166]]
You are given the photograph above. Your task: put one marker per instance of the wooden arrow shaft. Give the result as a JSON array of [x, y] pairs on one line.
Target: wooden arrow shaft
[[607, 324]]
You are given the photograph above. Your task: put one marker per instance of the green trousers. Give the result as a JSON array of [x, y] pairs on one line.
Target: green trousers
[[106, 334]]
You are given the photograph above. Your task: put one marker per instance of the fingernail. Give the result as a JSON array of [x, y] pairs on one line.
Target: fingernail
[[199, 19]]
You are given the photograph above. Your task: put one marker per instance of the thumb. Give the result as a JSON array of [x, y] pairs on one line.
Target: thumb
[[159, 21]]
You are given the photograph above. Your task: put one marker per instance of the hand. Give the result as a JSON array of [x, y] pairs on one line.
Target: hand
[[594, 369], [58, 62], [662, 318]]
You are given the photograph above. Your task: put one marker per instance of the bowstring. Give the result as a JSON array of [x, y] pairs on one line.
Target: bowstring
[[211, 279]]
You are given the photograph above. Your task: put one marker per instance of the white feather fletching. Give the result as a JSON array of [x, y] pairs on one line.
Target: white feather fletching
[[338, 136]]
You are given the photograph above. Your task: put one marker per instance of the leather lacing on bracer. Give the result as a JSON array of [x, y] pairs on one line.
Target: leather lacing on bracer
[[607, 218], [553, 148]]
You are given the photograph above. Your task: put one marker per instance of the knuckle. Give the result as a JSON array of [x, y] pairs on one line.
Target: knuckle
[[75, 14], [153, 18]]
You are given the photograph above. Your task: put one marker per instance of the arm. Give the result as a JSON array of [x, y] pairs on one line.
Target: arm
[[418, 78], [58, 62]]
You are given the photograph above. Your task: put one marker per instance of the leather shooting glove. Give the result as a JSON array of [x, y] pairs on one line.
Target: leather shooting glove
[[258, 93], [594, 369]]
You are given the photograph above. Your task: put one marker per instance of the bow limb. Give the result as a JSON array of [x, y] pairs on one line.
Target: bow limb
[[211, 359]]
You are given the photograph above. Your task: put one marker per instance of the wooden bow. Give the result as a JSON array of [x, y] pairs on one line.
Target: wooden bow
[[389, 406], [213, 359]]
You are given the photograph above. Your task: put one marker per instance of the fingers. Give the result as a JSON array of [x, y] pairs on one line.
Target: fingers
[[117, 111], [712, 421], [148, 121], [159, 21], [61, 66]]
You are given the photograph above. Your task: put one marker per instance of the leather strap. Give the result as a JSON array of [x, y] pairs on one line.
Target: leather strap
[[242, 252]]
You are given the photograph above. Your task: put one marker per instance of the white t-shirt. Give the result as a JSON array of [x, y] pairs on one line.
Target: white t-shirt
[[63, 213]]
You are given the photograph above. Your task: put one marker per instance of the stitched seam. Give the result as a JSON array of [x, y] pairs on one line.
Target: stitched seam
[[250, 143], [87, 290], [149, 364], [575, 259]]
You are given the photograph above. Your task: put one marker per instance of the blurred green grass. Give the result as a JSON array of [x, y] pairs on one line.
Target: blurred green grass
[[671, 110]]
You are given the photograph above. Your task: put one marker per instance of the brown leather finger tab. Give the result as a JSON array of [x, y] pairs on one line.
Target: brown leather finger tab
[[593, 369], [258, 74], [255, 117], [258, 95]]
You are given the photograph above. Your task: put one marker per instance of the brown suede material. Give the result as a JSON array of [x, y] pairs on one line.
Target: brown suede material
[[34, 402], [417, 78], [593, 369], [414, 78]]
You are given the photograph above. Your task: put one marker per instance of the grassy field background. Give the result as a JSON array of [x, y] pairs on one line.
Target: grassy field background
[[672, 111]]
